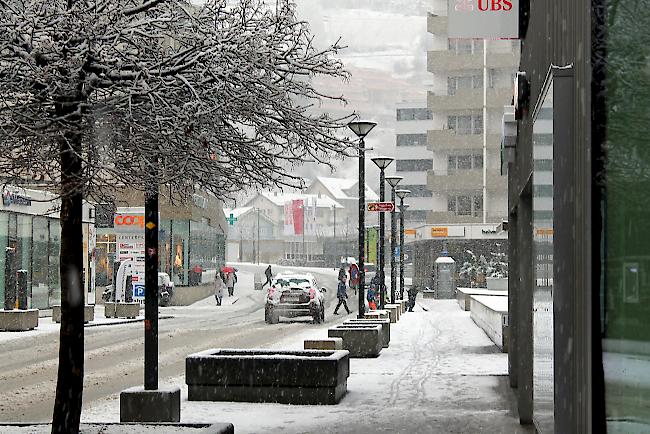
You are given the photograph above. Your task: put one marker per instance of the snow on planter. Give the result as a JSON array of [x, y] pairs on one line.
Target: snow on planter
[[308, 377], [360, 340]]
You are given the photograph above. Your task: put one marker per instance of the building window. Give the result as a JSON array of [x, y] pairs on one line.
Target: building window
[[466, 124], [417, 190], [411, 140], [465, 205], [414, 165], [414, 114], [456, 83], [465, 46], [464, 162]]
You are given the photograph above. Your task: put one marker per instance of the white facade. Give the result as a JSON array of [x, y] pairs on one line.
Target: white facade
[[457, 134], [414, 159]]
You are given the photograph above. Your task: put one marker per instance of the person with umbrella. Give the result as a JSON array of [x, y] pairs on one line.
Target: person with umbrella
[[229, 280]]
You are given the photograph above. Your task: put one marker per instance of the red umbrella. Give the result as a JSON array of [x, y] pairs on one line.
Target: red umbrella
[[227, 269]]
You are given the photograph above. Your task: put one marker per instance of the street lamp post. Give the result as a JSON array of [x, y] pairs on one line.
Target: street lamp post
[[258, 236], [361, 129], [393, 181], [402, 208], [382, 162]]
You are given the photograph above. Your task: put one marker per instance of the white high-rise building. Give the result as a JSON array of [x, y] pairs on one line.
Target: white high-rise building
[[456, 137], [413, 159]]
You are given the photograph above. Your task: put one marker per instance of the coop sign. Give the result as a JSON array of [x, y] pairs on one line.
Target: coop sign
[[13, 198], [483, 19]]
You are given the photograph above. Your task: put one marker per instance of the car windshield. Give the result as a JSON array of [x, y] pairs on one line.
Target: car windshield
[[293, 281]]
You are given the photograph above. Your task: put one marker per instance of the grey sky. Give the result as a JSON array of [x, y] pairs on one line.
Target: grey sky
[[386, 55]]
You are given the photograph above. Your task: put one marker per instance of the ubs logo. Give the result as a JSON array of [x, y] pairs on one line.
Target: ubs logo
[[483, 5]]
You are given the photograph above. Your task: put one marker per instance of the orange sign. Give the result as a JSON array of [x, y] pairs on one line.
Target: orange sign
[[129, 220], [441, 231], [544, 231], [410, 231]]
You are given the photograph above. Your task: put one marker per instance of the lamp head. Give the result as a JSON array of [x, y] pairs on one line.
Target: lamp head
[[382, 161], [361, 128], [402, 193], [393, 180]]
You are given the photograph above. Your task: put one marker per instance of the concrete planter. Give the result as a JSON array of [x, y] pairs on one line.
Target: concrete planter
[[324, 344], [384, 323], [308, 377], [464, 295], [89, 313], [376, 314], [497, 284], [360, 341], [491, 315], [121, 310], [428, 294], [160, 405], [18, 320], [393, 311]]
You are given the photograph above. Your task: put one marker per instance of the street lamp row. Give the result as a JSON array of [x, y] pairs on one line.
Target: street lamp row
[[361, 129]]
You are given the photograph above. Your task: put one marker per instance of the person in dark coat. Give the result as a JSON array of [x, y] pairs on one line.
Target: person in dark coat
[[341, 294], [413, 293], [342, 275], [269, 275]]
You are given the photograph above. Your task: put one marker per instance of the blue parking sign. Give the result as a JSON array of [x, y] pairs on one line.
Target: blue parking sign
[[138, 291]]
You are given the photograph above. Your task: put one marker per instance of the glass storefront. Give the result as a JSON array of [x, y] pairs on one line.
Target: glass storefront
[[182, 245], [180, 230], [37, 243], [543, 378], [40, 287], [626, 280], [206, 246], [4, 239]]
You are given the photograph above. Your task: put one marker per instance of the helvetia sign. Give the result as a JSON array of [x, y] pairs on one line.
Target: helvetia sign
[[483, 19]]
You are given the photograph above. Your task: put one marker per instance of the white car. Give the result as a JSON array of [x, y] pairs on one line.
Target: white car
[[292, 295]]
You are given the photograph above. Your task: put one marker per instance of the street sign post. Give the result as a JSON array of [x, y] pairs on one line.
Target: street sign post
[[381, 206]]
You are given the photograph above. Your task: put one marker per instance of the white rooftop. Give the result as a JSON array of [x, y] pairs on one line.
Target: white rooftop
[[337, 187], [280, 199]]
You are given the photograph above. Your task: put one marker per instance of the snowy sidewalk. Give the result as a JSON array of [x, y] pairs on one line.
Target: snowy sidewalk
[[441, 374]]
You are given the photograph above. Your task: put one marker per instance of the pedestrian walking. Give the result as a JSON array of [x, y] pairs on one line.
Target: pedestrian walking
[[342, 294], [371, 296], [355, 276], [219, 285], [342, 275], [269, 275], [413, 293], [230, 283]]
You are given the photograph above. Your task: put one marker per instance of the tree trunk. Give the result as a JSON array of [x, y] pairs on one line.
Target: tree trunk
[[69, 387]]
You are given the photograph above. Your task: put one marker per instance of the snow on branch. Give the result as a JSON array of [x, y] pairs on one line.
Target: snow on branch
[[219, 96]]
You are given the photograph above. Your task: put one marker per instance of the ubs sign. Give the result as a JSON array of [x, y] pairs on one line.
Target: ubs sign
[[483, 19]]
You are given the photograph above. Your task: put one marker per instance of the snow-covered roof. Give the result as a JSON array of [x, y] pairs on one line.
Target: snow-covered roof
[[445, 260], [280, 199], [338, 187], [236, 212]]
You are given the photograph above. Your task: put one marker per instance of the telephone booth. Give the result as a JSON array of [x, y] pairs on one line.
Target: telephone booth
[[444, 282]]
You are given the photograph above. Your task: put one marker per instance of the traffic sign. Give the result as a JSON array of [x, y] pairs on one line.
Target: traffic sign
[[381, 206]]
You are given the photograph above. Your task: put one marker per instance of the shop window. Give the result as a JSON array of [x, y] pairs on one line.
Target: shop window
[[40, 264], [54, 250]]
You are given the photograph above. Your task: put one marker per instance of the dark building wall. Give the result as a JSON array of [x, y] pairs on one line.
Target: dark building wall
[[425, 253], [559, 33]]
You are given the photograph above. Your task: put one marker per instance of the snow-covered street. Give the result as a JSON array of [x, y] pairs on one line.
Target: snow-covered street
[[114, 353], [441, 373]]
